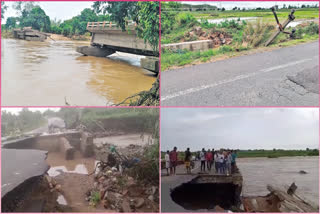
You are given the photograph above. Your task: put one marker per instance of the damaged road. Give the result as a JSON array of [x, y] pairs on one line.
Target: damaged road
[[282, 77]]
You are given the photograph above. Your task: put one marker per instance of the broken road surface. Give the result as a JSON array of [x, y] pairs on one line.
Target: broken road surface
[[283, 77], [19, 166]]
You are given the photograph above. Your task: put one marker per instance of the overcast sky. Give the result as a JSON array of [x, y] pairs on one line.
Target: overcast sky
[[245, 128], [17, 110], [252, 4], [60, 10]]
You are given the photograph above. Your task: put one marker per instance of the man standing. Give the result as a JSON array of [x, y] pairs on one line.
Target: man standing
[[209, 158], [167, 160], [203, 160], [187, 160], [173, 160], [233, 161]]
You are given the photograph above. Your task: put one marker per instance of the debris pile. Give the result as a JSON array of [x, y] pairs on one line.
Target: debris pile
[[118, 191], [218, 37]]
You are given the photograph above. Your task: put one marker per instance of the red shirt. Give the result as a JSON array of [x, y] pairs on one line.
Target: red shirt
[[173, 156], [209, 156]]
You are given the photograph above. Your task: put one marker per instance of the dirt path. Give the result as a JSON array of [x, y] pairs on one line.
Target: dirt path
[[74, 188]]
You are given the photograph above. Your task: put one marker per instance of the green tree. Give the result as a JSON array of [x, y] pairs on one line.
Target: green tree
[[11, 22], [36, 18], [3, 9], [26, 6], [145, 14]]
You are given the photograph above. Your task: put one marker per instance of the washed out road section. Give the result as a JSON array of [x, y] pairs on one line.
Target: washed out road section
[[19, 166], [283, 77]]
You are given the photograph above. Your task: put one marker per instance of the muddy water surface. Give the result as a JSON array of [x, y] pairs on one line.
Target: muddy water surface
[[79, 164], [259, 172], [44, 73]]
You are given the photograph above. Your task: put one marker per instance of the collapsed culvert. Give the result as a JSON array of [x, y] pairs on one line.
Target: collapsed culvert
[[199, 195]]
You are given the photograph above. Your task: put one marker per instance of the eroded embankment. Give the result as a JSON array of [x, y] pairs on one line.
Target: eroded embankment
[[70, 184]]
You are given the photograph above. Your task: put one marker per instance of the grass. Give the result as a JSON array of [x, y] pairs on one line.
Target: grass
[[95, 198], [305, 13], [276, 153], [246, 35]]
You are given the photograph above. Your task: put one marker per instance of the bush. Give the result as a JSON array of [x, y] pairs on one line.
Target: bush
[[186, 19], [312, 28], [257, 35]]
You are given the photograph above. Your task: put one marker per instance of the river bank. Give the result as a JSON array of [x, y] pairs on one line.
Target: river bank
[[8, 34]]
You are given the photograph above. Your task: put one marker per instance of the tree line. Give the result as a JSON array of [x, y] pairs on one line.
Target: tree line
[[145, 14]]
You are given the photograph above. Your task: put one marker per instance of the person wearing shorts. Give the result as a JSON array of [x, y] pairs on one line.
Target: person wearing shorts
[[173, 160], [187, 160]]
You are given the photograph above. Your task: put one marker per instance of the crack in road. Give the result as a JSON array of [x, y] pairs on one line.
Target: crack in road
[[240, 77]]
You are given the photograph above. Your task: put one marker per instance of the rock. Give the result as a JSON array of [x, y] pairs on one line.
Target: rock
[[105, 204], [106, 183], [114, 169], [154, 189], [130, 181], [98, 175], [101, 179], [112, 197], [58, 187], [218, 209], [151, 198], [126, 206], [95, 185], [125, 192], [139, 202]]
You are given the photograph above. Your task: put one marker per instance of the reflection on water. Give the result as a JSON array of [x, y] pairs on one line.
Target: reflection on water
[[79, 165], [44, 73], [259, 172]]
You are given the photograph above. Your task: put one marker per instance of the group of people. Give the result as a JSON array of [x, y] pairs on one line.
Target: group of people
[[171, 159], [222, 161]]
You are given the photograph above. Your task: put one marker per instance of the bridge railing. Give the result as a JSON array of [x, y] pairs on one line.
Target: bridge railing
[[105, 25]]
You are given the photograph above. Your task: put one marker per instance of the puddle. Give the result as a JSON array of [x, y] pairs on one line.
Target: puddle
[[61, 200], [217, 21], [57, 170], [296, 23], [78, 165], [206, 196]]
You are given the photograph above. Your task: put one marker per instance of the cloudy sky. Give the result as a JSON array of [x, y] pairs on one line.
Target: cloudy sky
[[252, 4], [242, 128], [59, 10]]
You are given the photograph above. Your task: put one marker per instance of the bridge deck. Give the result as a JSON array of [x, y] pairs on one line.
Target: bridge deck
[[111, 36]]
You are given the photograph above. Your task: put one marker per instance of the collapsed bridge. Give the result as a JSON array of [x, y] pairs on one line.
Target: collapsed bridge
[[107, 38]]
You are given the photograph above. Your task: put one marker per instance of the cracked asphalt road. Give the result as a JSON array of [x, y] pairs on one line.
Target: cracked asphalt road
[[283, 77]]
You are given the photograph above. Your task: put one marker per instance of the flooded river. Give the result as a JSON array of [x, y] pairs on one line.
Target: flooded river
[[45, 73], [258, 172]]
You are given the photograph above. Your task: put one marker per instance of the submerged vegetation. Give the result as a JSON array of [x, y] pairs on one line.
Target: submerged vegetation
[[236, 34]]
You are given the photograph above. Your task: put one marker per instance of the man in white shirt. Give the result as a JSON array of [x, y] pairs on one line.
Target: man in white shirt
[[203, 160], [167, 160]]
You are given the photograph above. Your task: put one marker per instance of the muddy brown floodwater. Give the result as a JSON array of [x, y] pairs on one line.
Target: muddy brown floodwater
[[281, 172], [44, 73]]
